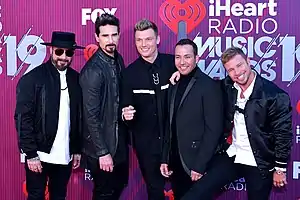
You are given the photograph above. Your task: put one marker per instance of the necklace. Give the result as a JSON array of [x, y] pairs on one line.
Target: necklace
[[64, 88]]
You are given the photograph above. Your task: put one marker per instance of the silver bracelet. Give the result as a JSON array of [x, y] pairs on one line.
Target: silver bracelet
[[34, 159]]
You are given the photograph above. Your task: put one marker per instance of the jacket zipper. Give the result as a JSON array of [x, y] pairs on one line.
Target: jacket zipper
[[44, 113], [19, 130]]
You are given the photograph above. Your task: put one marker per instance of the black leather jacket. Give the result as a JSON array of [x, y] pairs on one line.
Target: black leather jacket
[[268, 117], [99, 80]]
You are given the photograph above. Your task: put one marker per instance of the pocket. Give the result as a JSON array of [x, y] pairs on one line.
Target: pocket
[[195, 144], [43, 92], [88, 137]]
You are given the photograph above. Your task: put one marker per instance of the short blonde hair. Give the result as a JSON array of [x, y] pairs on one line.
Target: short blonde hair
[[229, 53], [145, 24]]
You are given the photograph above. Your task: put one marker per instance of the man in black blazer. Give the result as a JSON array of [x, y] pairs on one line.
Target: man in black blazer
[[145, 84], [258, 133], [48, 120], [195, 122]]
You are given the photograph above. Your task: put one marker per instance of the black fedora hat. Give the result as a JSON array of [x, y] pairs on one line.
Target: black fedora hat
[[63, 40]]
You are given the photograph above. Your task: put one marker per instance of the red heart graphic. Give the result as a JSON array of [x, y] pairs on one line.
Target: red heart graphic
[[169, 194], [89, 51], [194, 13], [24, 187], [298, 107]]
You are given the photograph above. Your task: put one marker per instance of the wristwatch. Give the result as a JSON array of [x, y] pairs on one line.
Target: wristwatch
[[279, 172]]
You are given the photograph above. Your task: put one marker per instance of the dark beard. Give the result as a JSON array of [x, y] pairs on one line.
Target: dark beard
[[60, 68], [110, 48]]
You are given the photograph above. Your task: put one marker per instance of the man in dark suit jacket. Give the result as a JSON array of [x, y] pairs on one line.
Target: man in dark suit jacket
[[48, 120], [145, 84], [195, 122], [258, 133]]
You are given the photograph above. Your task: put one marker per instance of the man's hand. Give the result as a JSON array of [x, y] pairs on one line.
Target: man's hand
[[128, 112], [195, 176], [106, 163], [35, 165], [76, 161], [174, 78], [279, 178], [165, 171]]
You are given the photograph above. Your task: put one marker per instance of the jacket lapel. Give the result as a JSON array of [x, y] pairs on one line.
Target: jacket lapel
[[232, 91], [71, 83], [173, 94], [190, 85], [53, 87], [187, 90], [257, 91]]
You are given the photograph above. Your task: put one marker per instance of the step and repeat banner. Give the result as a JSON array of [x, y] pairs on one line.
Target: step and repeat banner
[[267, 30]]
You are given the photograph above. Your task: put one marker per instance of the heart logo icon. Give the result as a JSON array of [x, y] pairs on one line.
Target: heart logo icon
[[89, 51], [169, 194], [192, 12], [298, 107]]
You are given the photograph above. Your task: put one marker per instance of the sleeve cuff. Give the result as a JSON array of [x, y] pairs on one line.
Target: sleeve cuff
[[280, 169], [31, 154], [104, 152], [280, 164], [164, 161], [199, 169]]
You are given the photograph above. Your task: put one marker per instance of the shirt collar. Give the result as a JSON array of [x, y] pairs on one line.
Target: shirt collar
[[249, 90], [62, 72], [156, 61]]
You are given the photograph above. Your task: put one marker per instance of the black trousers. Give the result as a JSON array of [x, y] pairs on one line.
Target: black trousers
[[107, 185], [222, 171], [181, 182], [58, 177], [149, 163]]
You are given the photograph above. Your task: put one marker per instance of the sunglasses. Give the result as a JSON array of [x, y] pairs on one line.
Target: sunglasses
[[68, 52]]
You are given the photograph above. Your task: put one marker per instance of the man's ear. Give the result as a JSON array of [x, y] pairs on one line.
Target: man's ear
[[96, 37], [158, 40], [197, 59], [248, 61]]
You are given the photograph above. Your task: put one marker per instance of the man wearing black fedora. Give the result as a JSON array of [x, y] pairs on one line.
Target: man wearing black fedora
[[48, 120]]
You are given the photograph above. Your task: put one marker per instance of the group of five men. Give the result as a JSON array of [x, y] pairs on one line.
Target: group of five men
[[197, 132]]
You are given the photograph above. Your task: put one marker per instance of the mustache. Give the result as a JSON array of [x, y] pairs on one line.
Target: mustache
[[63, 60], [110, 45]]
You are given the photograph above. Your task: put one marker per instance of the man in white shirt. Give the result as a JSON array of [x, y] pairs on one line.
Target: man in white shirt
[[48, 120], [258, 133]]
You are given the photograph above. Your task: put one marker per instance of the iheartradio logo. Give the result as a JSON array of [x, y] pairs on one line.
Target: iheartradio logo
[[188, 14]]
